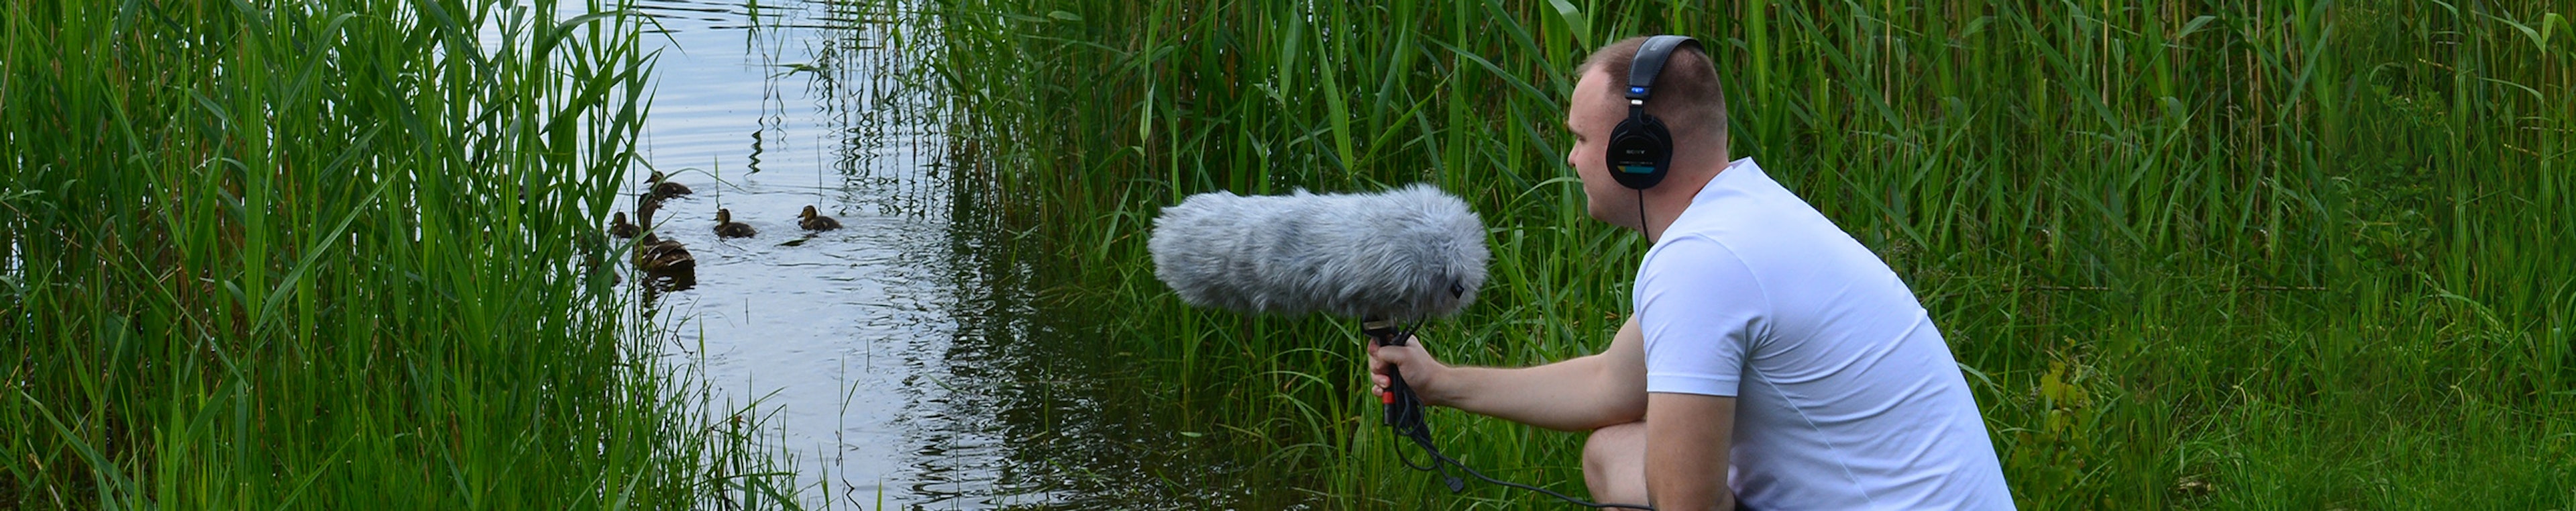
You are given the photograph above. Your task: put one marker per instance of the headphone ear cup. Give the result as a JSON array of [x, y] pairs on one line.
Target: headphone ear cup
[[1640, 153]]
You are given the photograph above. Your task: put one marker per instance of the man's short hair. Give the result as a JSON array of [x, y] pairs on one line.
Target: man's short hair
[[1686, 95]]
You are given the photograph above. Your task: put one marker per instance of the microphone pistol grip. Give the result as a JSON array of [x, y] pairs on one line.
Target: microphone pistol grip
[[1401, 406]]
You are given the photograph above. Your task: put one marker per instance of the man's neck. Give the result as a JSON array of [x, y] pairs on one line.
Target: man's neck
[[1665, 203]]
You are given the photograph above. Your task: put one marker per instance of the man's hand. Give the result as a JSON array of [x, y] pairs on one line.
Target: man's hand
[[1579, 394], [1687, 441], [1420, 369]]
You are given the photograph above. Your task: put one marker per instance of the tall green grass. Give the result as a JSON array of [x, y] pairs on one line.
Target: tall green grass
[[2212, 254], [330, 255]]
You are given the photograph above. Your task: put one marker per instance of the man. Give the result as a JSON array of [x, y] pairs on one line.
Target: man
[[1770, 358]]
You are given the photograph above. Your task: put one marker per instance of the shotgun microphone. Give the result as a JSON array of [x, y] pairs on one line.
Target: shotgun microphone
[[1388, 258], [1407, 254]]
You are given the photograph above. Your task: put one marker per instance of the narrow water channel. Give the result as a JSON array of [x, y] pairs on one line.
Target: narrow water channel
[[905, 361]]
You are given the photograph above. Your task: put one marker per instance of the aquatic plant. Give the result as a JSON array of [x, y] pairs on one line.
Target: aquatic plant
[[330, 255]]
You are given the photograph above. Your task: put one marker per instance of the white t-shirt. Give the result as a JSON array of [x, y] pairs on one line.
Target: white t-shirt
[[1846, 396]]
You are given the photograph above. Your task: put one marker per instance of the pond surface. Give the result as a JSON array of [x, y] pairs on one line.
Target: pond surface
[[903, 362]]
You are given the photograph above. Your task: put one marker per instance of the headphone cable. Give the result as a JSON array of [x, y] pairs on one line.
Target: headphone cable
[[1642, 227]]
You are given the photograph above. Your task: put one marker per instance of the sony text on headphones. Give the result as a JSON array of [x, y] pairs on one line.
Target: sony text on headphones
[[1641, 149]]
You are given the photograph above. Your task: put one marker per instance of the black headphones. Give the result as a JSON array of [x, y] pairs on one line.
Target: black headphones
[[1641, 149]]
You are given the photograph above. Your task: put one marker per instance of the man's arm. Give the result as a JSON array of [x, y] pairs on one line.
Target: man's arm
[[1577, 394], [1687, 437]]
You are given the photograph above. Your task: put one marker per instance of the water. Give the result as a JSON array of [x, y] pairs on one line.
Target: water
[[905, 361]]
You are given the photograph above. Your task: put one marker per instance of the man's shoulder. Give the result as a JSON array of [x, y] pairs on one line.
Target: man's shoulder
[[1693, 264], [1762, 221], [1690, 249], [1740, 201]]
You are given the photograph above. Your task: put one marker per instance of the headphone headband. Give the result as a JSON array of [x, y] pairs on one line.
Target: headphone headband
[[1650, 63]]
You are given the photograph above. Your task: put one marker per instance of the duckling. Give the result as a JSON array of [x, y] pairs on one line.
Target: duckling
[[664, 189], [657, 255], [727, 228], [594, 267], [813, 221], [621, 229], [596, 274]]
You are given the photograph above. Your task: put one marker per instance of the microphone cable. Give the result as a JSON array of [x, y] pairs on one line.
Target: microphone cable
[[1404, 418]]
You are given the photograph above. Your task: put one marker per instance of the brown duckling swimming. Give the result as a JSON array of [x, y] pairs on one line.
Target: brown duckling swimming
[[621, 229], [595, 273], [813, 221], [657, 255], [727, 228], [664, 189]]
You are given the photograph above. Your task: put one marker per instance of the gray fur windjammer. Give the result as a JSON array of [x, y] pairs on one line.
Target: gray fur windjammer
[[1403, 254]]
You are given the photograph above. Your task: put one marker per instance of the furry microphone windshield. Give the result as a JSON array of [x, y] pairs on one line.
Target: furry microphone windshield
[[1406, 254]]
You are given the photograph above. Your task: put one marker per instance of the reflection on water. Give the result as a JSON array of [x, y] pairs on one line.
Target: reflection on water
[[903, 362]]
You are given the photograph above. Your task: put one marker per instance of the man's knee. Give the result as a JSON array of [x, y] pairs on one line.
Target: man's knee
[[1614, 461], [1612, 444]]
